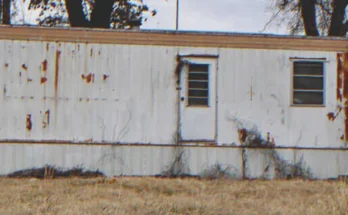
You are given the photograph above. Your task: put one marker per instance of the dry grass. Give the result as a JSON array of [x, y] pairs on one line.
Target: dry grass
[[171, 196]]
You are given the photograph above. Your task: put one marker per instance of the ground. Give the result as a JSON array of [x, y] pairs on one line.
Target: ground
[[171, 196]]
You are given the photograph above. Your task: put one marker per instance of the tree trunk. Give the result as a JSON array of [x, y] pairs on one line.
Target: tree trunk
[[101, 14], [6, 12], [75, 11], [309, 17], [337, 27]]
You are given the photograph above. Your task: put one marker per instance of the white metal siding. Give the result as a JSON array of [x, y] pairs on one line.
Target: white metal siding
[[137, 102], [254, 88]]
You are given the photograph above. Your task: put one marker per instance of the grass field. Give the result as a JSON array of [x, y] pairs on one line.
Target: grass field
[[171, 196]]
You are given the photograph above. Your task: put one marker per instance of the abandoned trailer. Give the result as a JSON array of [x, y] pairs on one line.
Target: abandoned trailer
[[169, 103]]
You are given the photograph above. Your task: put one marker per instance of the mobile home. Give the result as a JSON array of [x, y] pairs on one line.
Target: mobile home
[[125, 102]]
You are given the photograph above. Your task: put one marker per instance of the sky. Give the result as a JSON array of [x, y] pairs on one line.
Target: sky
[[244, 16]]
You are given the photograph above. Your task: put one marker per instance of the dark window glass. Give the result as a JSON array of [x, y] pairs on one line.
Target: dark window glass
[[308, 83], [305, 98], [198, 85]]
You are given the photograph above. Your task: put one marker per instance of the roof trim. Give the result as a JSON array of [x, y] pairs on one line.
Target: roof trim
[[174, 38]]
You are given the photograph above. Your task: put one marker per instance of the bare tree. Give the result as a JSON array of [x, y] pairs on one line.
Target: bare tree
[[84, 13], [312, 17]]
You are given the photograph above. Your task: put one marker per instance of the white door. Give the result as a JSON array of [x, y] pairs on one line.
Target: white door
[[198, 100]]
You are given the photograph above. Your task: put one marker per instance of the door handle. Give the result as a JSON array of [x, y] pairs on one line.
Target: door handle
[[182, 99]]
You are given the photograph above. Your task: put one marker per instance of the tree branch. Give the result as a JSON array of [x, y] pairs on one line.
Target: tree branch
[[76, 16], [345, 28], [336, 26], [308, 15], [6, 12], [101, 14]]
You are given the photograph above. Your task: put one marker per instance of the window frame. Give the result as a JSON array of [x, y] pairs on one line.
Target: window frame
[[308, 60]]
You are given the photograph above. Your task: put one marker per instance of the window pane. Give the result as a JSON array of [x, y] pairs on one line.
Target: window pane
[[308, 68], [198, 93], [200, 85], [307, 83], [198, 76], [198, 67], [198, 101], [314, 98]]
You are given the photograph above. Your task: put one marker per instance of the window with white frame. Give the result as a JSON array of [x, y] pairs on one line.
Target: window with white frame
[[308, 83]]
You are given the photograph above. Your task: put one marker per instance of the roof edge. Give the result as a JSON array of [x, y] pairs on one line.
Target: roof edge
[[173, 38]]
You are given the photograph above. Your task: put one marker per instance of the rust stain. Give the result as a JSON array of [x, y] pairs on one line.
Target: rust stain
[[29, 80], [91, 53], [87, 99], [345, 76], [242, 135], [6, 65], [56, 72], [88, 78], [20, 74], [332, 116], [47, 46], [342, 87], [43, 80], [105, 77], [339, 78], [29, 124], [25, 67], [44, 65]]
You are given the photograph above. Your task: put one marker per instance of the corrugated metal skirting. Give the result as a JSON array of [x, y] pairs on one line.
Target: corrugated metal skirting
[[154, 160]]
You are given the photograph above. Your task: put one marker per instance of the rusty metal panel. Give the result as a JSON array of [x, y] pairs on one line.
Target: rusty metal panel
[[255, 93]]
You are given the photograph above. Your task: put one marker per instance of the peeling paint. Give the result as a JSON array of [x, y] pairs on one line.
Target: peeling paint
[[88, 78], [29, 124], [25, 67], [331, 116], [105, 77], [46, 120], [342, 87], [43, 80]]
